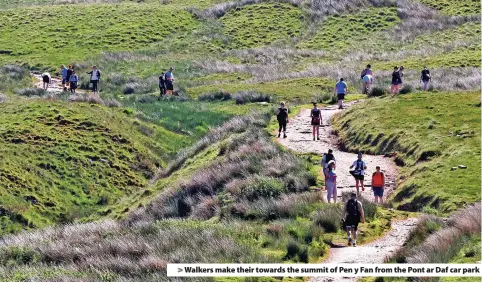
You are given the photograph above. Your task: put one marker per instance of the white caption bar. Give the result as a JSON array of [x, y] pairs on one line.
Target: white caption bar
[[332, 270]]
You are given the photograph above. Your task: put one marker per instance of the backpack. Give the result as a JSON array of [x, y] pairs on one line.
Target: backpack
[[363, 73], [358, 167], [316, 119], [329, 157], [352, 207]]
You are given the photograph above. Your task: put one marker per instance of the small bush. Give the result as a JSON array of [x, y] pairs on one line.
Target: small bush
[[377, 91], [292, 249], [31, 92], [242, 97], [129, 88], [215, 96], [329, 219], [14, 72], [407, 88], [263, 187]]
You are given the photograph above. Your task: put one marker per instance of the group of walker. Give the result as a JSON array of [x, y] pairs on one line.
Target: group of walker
[[70, 80]]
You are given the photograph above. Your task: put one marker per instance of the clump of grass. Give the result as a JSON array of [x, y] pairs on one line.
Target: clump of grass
[[407, 88], [377, 91], [215, 96], [31, 92], [329, 218], [242, 97]]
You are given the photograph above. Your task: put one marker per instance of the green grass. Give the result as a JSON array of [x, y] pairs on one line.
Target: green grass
[[448, 7], [262, 24], [339, 32], [62, 162], [56, 35], [417, 126]]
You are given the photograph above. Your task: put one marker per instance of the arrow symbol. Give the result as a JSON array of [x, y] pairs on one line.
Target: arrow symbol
[[179, 269]]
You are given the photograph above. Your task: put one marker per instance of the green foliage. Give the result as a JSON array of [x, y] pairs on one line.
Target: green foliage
[[428, 155], [263, 187], [262, 24], [338, 32], [64, 34], [448, 7]]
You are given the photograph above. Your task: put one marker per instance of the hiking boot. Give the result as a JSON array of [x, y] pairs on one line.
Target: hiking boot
[[354, 244], [285, 136], [318, 137], [349, 242], [313, 138]]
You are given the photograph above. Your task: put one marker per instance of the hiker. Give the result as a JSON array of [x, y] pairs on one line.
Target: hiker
[[378, 185], [63, 72], [367, 78], [396, 81], [94, 79], [316, 120], [74, 79], [327, 157], [330, 181], [69, 73], [282, 116], [162, 84], [425, 78], [352, 214], [169, 78], [46, 79], [400, 84], [340, 91], [358, 172]]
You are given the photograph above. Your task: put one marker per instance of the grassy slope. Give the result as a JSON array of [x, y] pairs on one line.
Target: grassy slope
[[417, 127]]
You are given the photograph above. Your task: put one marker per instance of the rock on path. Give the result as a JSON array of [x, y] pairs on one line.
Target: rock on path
[[375, 252], [300, 139]]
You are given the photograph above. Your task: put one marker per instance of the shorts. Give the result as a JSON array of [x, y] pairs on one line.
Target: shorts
[[378, 191], [352, 221], [169, 85], [46, 79], [341, 96], [357, 176], [313, 122], [64, 81], [73, 85], [367, 79]]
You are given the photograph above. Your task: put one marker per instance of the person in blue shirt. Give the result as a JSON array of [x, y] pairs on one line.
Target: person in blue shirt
[[340, 91], [63, 72], [74, 79]]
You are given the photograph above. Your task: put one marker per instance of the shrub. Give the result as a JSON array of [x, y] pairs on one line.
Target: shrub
[[263, 187], [329, 218], [215, 96], [377, 91], [407, 88], [14, 72], [128, 89], [31, 92], [242, 97], [292, 249]]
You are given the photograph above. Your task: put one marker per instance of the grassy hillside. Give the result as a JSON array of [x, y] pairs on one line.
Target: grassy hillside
[[430, 134]]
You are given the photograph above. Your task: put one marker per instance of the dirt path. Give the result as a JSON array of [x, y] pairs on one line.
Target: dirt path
[[54, 86], [372, 253], [300, 139]]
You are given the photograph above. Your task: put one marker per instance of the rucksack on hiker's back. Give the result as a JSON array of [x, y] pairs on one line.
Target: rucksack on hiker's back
[[352, 207]]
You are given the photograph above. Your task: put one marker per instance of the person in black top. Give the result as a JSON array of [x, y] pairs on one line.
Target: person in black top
[[316, 121], [425, 78], [396, 80], [162, 84], [70, 70], [282, 116]]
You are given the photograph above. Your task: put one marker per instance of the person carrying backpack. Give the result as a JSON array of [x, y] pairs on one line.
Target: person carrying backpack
[[353, 214], [425, 78], [367, 78], [282, 117], [327, 157], [378, 185], [46, 79], [94, 79], [74, 79], [169, 78], [340, 91], [316, 121], [162, 83], [358, 172], [330, 181], [396, 80], [70, 70]]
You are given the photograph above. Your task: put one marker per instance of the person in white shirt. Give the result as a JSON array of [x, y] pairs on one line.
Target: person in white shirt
[[46, 79], [94, 79], [169, 79], [359, 167]]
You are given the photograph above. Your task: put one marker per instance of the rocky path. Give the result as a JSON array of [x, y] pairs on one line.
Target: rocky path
[[54, 86], [300, 139], [372, 253]]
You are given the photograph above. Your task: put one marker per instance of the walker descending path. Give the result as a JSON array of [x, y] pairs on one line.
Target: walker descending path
[[300, 139]]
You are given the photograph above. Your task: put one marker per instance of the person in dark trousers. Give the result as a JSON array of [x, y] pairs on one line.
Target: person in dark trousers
[[425, 78], [169, 80], [396, 81], [162, 84], [340, 91], [316, 121], [358, 172], [353, 214], [282, 116], [63, 72], [69, 73], [94, 79], [46, 79], [74, 79], [378, 185]]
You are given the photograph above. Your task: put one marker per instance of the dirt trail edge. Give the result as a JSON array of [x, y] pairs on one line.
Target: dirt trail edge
[[55, 85], [300, 139]]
